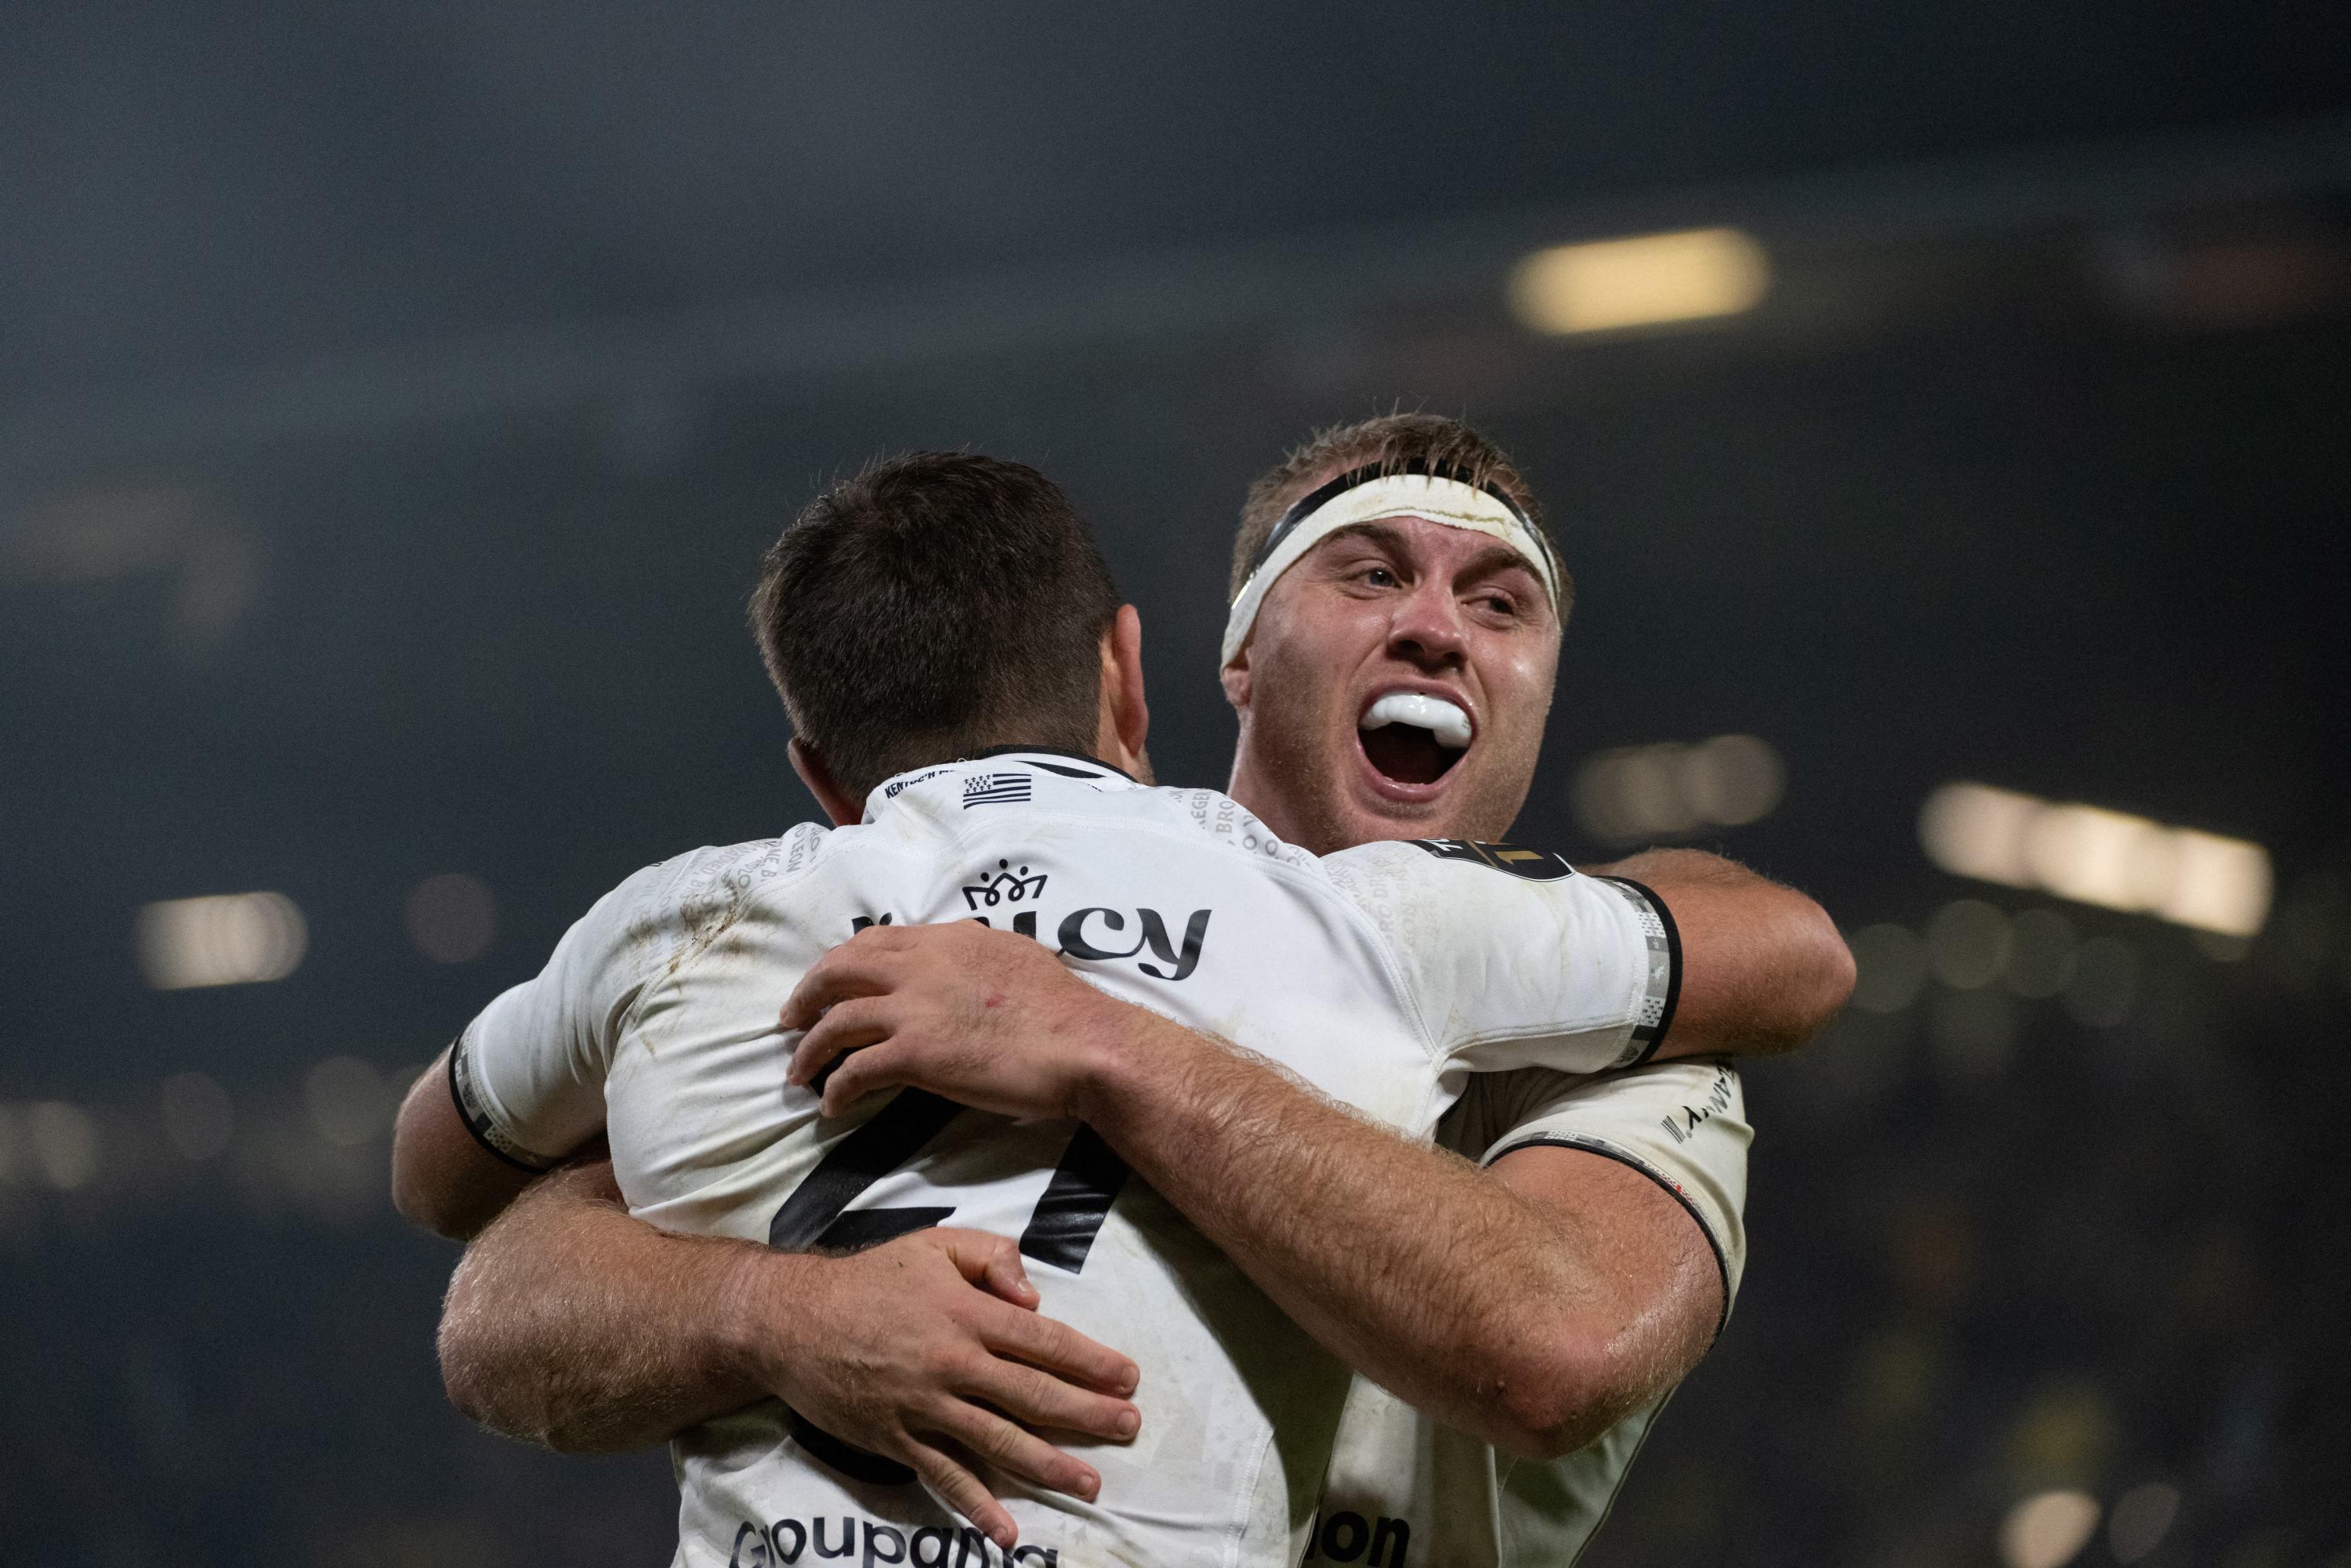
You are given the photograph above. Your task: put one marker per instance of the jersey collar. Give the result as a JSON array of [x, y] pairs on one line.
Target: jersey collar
[[1050, 760]]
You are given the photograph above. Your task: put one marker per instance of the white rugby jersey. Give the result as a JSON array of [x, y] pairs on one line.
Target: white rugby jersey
[[1405, 1490], [1384, 975]]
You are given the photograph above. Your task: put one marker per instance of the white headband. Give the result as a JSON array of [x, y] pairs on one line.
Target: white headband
[[1367, 497]]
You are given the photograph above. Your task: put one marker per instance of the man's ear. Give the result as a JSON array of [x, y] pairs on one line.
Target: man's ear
[[844, 812], [1236, 679], [1125, 721]]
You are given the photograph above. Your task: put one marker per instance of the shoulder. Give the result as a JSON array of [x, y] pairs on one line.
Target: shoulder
[[1230, 823], [691, 890], [1454, 891], [1440, 861], [701, 875]]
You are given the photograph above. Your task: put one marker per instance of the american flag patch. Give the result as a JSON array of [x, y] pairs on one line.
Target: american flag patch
[[994, 788]]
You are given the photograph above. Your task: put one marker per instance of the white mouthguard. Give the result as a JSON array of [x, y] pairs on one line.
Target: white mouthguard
[[1435, 715]]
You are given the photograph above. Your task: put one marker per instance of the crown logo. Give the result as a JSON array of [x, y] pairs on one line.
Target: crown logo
[[1006, 886]]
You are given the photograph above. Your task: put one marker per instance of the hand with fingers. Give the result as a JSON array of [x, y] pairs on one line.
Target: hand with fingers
[[928, 1350], [989, 1018]]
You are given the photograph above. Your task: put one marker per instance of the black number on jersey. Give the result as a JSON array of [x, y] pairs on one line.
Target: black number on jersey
[[1061, 1231], [813, 1216]]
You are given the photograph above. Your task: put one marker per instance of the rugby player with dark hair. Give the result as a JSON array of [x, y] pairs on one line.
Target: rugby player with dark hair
[[1536, 1284]]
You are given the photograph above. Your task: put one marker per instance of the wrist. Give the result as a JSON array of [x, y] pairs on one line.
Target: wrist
[[1133, 1056], [1096, 1025], [752, 1337]]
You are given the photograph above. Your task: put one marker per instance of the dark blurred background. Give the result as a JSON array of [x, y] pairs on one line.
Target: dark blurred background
[[393, 401]]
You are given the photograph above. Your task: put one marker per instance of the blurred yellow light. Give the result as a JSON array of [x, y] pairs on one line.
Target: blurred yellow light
[[2093, 855], [1668, 790], [227, 940], [1641, 281], [65, 1144], [1974, 830], [2221, 886], [2048, 1531], [2099, 857]]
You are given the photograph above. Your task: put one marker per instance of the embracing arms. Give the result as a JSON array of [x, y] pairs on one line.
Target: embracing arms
[[570, 1323], [1434, 1276], [1533, 1302]]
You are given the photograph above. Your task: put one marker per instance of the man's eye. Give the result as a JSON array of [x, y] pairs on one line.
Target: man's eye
[[1379, 577]]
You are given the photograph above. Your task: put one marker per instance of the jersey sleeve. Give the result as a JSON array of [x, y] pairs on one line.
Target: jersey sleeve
[[527, 1074], [1515, 959], [1683, 1124]]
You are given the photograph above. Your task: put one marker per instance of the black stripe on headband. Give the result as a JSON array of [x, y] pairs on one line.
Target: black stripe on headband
[[1307, 505]]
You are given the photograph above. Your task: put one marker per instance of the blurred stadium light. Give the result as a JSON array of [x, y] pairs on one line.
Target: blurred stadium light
[[803, 338], [2094, 856], [1668, 790], [228, 939], [63, 1143], [2048, 1529], [1646, 280], [350, 1102]]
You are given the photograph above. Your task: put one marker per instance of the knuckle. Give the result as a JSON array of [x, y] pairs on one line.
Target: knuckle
[[1047, 1399]]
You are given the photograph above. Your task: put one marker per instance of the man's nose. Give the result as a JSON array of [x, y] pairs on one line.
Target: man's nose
[[1427, 629]]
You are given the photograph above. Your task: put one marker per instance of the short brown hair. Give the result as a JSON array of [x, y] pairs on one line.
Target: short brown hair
[[1392, 444], [936, 604]]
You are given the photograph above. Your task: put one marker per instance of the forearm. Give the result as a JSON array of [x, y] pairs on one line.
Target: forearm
[[1763, 970], [1416, 1267], [570, 1323]]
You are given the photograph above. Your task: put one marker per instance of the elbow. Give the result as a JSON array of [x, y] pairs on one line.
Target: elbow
[[413, 1199], [426, 1206], [1829, 972], [1560, 1398], [1814, 982], [464, 1362], [464, 1386], [484, 1382]]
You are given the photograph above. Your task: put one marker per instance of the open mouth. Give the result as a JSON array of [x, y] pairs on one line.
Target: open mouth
[[1411, 738]]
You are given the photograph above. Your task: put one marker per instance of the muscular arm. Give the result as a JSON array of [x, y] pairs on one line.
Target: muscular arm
[[443, 1179], [1534, 1303], [570, 1323], [1763, 970]]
